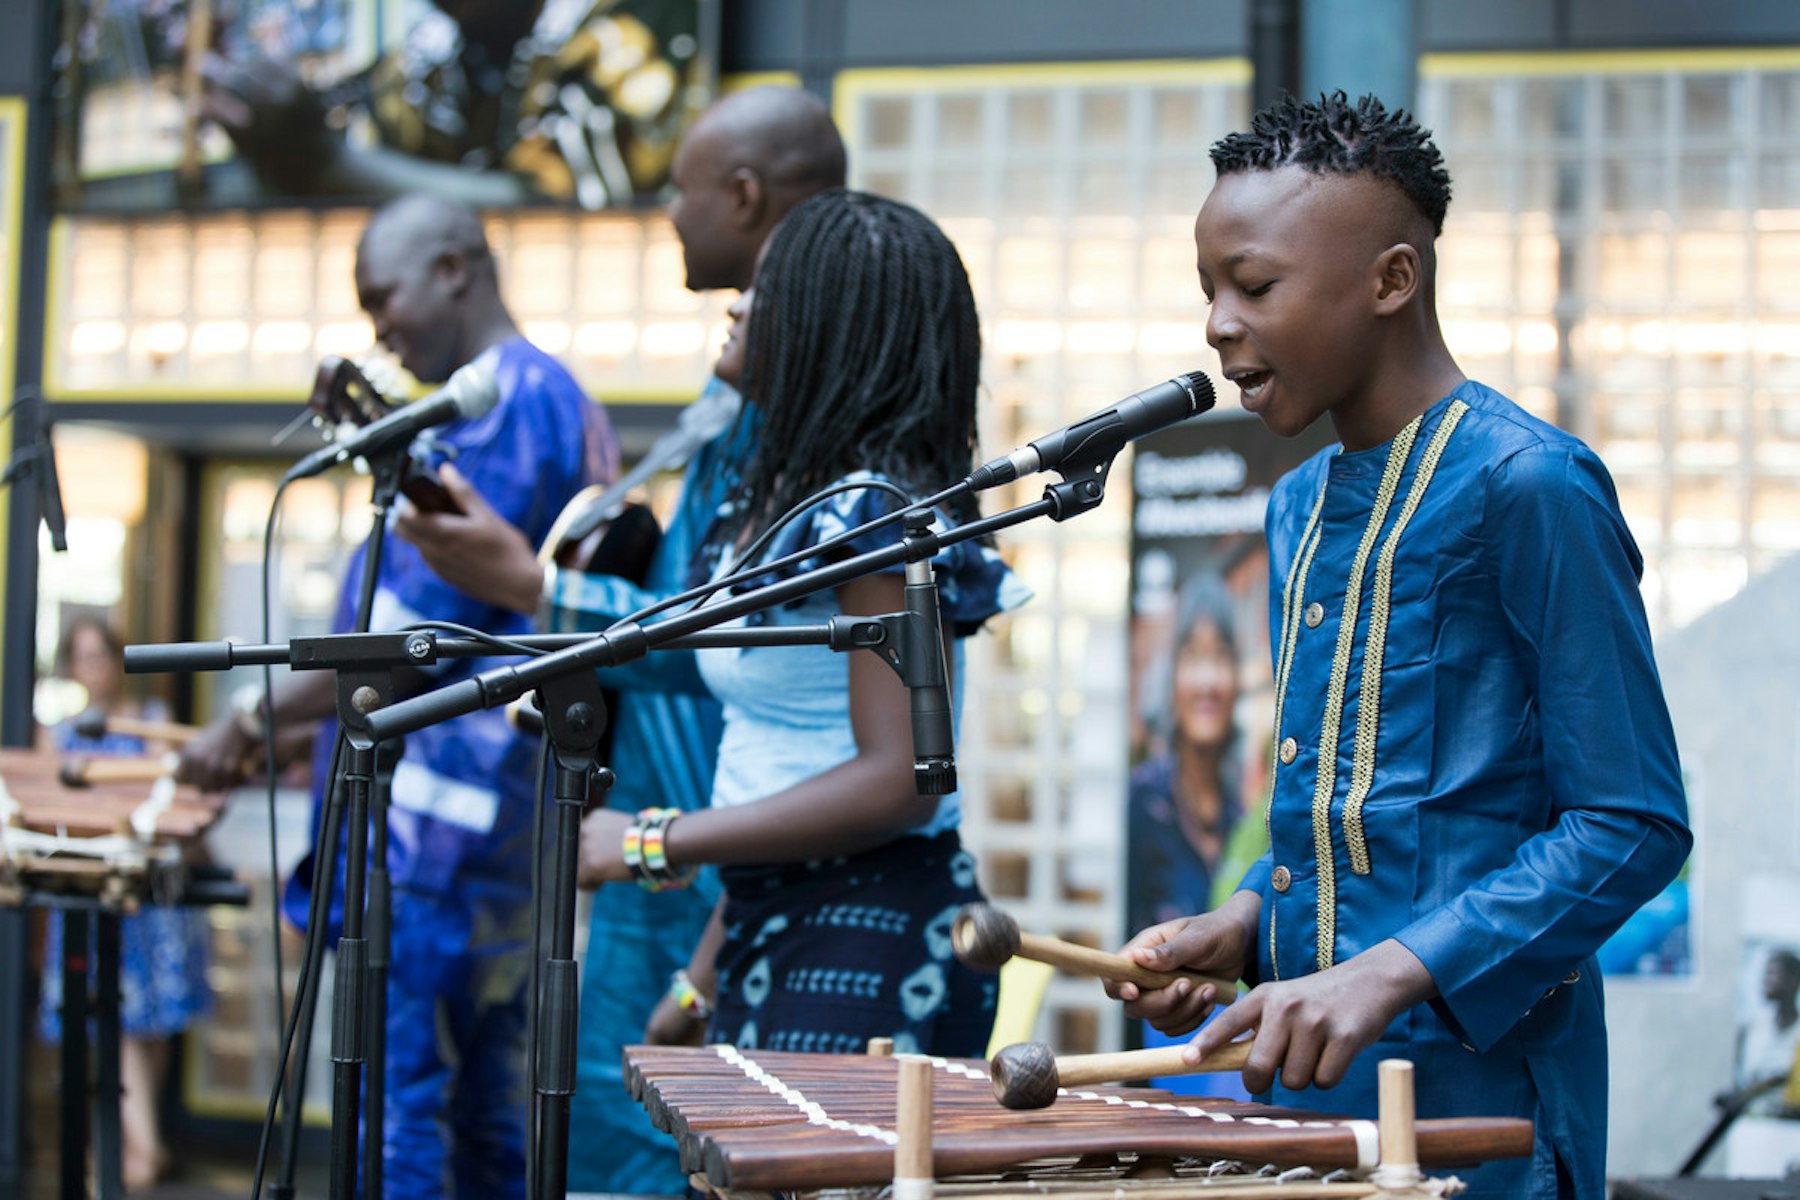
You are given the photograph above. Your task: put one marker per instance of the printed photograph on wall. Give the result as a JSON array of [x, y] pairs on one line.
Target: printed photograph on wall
[[250, 103], [1202, 699]]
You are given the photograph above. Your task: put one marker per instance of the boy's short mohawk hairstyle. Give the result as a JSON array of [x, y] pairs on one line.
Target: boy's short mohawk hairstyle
[[1332, 135]]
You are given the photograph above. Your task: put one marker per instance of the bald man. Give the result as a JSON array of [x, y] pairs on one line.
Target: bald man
[[745, 163], [463, 793]]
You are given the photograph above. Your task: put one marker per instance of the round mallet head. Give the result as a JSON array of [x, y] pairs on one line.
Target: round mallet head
[[73, 773], [984, 937], [1024, 1076]]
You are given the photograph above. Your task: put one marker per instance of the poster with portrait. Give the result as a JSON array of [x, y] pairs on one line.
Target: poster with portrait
[[1201, 698], [164, 104]]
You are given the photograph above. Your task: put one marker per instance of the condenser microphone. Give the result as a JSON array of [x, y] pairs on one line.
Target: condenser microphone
[[472, 391], [928, 686], [1096, 439]]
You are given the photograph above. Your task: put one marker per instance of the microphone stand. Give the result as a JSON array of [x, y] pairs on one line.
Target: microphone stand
[[628, 641], [574, 716], [359, 792], [906, 640], [365, 681]]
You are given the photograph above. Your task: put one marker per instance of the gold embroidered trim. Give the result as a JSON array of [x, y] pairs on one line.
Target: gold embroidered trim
[[1293, 594], [1326, 780], [1368, 700], [1274, 962]]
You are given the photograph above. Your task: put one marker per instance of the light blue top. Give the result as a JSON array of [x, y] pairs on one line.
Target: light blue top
[[787, 708]]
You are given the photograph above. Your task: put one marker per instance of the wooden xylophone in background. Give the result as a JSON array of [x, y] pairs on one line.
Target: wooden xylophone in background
[[111, 838], [761, 1121]]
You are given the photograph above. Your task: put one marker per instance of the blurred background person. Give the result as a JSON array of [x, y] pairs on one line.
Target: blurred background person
[[162, 949], [1187, 797], [1186, 838], [1769, 1038]]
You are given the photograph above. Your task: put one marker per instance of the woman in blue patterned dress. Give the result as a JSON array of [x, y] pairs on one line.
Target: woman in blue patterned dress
[[162, 950], [859, 353]]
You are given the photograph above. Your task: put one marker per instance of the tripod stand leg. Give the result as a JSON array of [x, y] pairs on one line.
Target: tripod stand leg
[[380, 930], [109, 1178], [349, 1000], [560, 998]]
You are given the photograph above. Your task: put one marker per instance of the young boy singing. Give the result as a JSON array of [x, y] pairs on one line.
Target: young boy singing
[[1475, 779]]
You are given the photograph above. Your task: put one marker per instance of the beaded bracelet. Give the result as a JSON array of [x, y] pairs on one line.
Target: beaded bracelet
[[687, 997], [644, 852]]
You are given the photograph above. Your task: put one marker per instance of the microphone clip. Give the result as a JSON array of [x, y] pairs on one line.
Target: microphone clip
[[1078, 491], [914, 648]]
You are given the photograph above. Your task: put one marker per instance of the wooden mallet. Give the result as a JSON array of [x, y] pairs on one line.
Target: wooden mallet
[[92, 723], [85, 772], [985, 937], [1027, 1075]]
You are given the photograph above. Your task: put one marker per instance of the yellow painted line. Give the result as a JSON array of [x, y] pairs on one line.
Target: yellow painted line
[[1609, 62], [13, 113], [743, 80]]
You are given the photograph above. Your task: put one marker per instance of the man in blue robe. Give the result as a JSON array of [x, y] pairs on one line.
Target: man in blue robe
[[463, 798]]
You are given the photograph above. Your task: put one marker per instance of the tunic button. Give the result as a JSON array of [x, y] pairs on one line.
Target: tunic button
[[1282, 879], [1315, 612], [1289, 748]]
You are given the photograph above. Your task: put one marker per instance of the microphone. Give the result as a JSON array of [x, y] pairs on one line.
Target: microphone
[[923, 670], [472, 391], [1096, 439]]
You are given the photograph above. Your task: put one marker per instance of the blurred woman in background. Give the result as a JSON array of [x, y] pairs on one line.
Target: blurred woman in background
[[162, 950]]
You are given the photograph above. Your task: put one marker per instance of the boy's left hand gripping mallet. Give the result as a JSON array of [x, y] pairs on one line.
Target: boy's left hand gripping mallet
[[985, 937]]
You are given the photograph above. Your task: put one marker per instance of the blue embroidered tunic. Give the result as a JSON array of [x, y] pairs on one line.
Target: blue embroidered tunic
[[1473, 757]]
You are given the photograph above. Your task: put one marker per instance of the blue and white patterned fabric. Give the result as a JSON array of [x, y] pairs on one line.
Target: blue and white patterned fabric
[[1519, 796], [162, 949], [822, 956], [463, 797]]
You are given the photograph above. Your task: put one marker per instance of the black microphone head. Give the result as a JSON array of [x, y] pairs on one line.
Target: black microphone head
[[934, 776], [1199, 388]]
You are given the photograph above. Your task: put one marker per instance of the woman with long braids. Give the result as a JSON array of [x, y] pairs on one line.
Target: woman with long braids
[[858, 352]]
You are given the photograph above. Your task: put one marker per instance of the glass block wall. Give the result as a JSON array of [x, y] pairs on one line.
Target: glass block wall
[[1071, 193], [1622, 255]]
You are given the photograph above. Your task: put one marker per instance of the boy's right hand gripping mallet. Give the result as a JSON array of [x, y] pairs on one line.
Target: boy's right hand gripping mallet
[[985, 937], [1028, 1075]]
